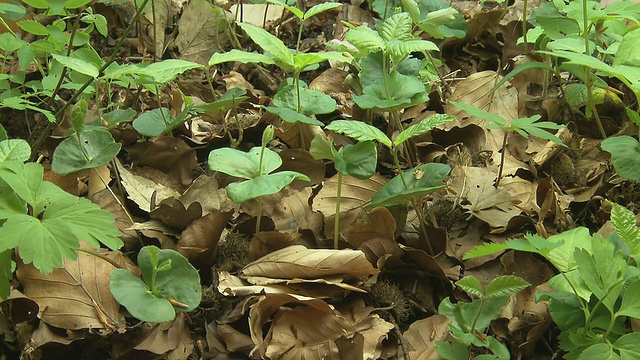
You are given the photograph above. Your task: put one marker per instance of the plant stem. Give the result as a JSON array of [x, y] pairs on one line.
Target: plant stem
[[59, 115], [524, 26], [259, 217], [336, 223], [504, 144], [101, 256], [588, 80], [397, 163], [423, 228]]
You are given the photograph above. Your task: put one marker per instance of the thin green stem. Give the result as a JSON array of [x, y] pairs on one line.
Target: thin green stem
[[336, 223], [59, 115], [588, 80], [475, 320], [259, 217], [524, 26], [397, 163]]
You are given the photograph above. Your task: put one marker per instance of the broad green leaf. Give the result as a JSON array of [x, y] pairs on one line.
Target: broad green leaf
[[120, 115], [181, 282], [422, 127], [628, 52], [463, 313], [10, 203], [359, 131], [312, 102], [420, 181], [397, 91], [165, 71], [78, 65], [292, 116], [18, 103], [365, 39], [6, 274], [321, 148], [564, 307], [628, 345], [601, 351], [624, 221], [359, 160], [14, 149], [85, 220], [271, 44], [78, 115], [505, 285], [445, 22], [96, 147], [12, 11], [452, 351], [239, 56], [397, 27], [625, 155], [244, 165], [631, 301], [74, 4], [243, 191], [471, 285], [562, 256], [153, 123], [320, 8], [24, 179], [43, 243], [411, 7], [303, 60], [134, 295]]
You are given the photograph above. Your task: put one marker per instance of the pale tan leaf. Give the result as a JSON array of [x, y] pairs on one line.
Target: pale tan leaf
[[355, 194], [422, 335], [141, 190], [299, 262], [201, 31], [75, 296], [158, 15]]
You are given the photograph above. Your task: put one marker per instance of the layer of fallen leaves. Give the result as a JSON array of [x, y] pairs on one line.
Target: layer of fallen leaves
[[281, 293]]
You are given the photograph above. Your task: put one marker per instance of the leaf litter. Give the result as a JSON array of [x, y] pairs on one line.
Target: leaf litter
[[281, 294]]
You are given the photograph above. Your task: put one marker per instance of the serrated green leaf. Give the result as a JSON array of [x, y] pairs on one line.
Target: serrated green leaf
[[270, 184], [403, 48], [292, 116], [320, 8], [165, 71], [505, 285], [628, 345], [397, 27], [294, 10], [85, 220], [359, 131], [94, 148], [365, 39], [471, 285], [624, 221], [422, 127], [43, 243], [14, 150], [239, 56], [532, 243], [78, 65], [33, 27], [479, 113], [244, 165], [271, 44], [631, 301]]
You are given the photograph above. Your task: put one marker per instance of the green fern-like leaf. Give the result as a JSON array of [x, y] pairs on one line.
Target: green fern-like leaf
[[397, 27], [402, 48], [359, 131], [366, 39], [472, 285], [624, 221], [422, 127], [504, 285]]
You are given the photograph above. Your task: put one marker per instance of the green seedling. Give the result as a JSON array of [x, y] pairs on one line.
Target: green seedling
[[597, 289], [524, 126], [357, 160], [409, 187], [294, 102], [43, 221], [470, 320], [170, 283], [256, 166]]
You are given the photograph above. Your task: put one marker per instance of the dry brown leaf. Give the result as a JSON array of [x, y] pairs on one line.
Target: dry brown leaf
[[302, 162], [292, 212], [201, 33], [266, 242], [422, 335], [75, 296], [224, 338], [142, 190], [206, 191], [367, 324], [199, 241], [296, 328], [171, 338], [171, 155], [158, 15], [379, 223], [483, 200], [122, 219], [299, 262]]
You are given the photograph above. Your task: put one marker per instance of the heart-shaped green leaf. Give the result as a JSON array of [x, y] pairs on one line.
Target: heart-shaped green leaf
[[95, 148], [244, 165], [241, 192], [420, 181], [359, 160]]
